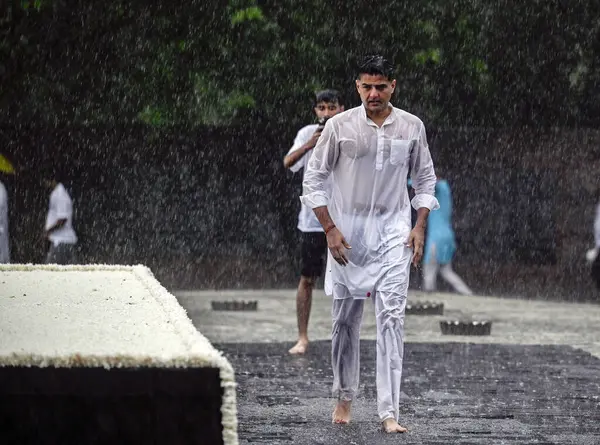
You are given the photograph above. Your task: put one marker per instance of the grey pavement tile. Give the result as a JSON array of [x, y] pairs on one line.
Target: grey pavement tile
[[453, 393]]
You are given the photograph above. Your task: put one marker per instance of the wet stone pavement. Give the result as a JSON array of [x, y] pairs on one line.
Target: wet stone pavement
[[453, 393], [534, 380]]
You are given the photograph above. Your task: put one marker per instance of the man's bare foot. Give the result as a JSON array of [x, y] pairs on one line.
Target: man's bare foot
[[300, 347], [341, 413], [391, 426]]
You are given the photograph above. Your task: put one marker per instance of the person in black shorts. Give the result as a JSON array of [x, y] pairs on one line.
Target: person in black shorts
[[328, 103], [314, 250]]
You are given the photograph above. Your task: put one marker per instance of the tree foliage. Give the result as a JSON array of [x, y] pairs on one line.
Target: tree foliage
[[465, 62]]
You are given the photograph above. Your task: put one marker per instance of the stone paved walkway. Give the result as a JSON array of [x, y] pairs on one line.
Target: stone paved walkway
[[534, 380], [452, 393]]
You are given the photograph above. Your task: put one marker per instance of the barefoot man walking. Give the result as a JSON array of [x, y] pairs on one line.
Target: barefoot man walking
[[368, 152]]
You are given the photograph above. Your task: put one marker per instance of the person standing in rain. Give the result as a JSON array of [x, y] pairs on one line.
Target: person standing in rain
[[328, 103], [440, 244], [5, 168], [367, 152], [593, 255], [59, 225], [4, 239]]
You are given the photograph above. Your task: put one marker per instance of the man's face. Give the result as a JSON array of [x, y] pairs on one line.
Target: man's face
[[375, 91], [328, 109]]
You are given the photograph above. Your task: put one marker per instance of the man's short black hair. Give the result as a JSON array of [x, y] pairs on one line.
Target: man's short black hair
[[329, 97], [374, 65]]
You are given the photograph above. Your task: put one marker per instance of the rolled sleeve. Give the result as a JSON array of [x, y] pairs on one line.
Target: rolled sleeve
[[424, 200], [423, 177], [315, 199], [314, 187]]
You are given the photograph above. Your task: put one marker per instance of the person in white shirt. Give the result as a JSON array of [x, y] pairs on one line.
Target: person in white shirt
[[328, 103], [593, 255], [368, 152], [59, 226], [4, 240]]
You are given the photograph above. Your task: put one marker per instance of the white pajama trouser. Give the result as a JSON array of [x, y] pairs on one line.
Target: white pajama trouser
[[389, 297], [430, 271]]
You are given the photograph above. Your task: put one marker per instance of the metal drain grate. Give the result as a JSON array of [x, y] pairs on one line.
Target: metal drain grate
[[425, 308], [458, 327], [234, 305]]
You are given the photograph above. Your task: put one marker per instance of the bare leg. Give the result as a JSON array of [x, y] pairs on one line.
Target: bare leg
[[430, 271], [303, 304], [454, 280]]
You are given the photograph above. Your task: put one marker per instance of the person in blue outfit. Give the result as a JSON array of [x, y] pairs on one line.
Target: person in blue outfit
[[440, 244]]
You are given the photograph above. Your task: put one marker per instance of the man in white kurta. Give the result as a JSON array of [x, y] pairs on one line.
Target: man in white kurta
[[4, 240], [368, 152]]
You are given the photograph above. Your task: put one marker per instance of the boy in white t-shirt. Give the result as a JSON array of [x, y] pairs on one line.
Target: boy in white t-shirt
[[59, 226], [328, 103]]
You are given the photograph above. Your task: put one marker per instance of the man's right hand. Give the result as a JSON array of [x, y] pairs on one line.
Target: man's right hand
[[310, 144], [337, 246], [295, 156]]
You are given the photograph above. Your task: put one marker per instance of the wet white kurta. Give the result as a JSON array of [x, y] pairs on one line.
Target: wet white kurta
[[369, 203]]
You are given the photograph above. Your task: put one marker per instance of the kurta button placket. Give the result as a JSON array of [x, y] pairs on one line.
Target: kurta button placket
[[379, 157]]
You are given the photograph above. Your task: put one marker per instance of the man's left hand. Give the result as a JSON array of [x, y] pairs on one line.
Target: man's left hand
[[416, 241]]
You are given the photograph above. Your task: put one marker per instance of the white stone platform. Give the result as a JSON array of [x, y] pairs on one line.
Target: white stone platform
[[102, 316]]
